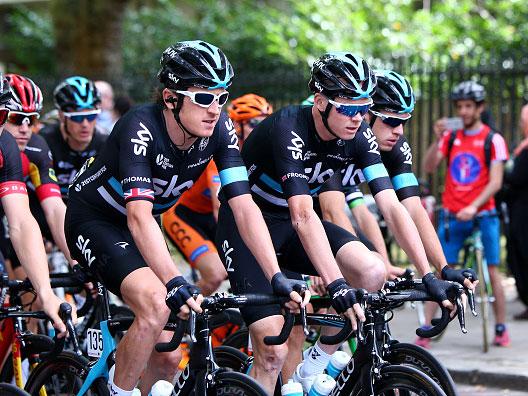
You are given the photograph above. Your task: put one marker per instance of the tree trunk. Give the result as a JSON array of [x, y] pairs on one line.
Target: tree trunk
[[89, 37]]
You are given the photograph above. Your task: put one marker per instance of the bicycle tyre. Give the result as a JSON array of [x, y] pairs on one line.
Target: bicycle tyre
[[418, 357], [239, 340], [11, 390], [404, 379], [229, 383], [484, 302], [64, 374], [232, 359]]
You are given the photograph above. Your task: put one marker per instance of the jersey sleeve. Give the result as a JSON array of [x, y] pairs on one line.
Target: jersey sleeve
[[136, 144], [232, 171], [11, 176], [499, 150], [368, 159], [398, 162], [41, 172], [288, 152], [354, 197]]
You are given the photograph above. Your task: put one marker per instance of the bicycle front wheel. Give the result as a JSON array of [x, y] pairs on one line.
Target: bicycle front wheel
[[229, 383], [401, 380], [11, 390], [415, 356], [64, 375]]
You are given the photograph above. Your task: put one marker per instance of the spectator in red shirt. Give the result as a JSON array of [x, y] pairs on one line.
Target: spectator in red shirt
[[475, 156]]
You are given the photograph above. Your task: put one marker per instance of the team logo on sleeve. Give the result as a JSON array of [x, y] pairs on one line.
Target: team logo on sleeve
[[406, 150], [371, 139], [232, 135], [296, 147], [141, 142], [139, 193]]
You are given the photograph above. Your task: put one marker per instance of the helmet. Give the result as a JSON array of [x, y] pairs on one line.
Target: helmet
[[468, 90], [5, 90], [342, 74], [27, 97], [194, 63], [249, 106], [309, 101], [393, 93], [76, 93]]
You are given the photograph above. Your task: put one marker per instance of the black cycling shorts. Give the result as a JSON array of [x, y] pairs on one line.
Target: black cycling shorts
[[245, 274], [106, 247]]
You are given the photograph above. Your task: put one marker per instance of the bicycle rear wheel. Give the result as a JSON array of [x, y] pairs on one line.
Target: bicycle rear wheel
[[64, 375], [400, 380], [232, 359]]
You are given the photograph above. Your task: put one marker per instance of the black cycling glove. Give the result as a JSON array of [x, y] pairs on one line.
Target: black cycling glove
[[343, 296], [459, 275], [437, 288], [283, 286], [178, 292]]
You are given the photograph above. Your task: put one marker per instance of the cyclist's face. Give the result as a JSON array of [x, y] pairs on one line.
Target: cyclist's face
[[199, 120], [343, 126], [469, 111], [21, 133], [80, 132], [386, 135]]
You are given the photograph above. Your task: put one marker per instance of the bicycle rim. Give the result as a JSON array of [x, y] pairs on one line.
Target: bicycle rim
[[233, 383], [64, 375], [484, 303], [398, 380]]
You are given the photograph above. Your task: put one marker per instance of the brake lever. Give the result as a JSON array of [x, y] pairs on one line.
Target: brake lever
[[360, 327], [192, 326], [304, 322], [461, 314]]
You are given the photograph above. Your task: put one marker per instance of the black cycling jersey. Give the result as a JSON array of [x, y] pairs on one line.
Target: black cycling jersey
[[67, 162], [397, 161], [140, 162], [286, 157]]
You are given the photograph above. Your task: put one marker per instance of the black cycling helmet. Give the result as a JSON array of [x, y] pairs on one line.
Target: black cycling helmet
[[5, 90], [194, 63], [342, 74], [393, 93], [76, 93], [469, 90]]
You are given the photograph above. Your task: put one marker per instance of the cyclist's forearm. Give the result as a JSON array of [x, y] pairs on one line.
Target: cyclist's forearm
[[405, 232], [254, 233], [55, 210], [433, 248], [151, 244], [370, 227], [316, 244]]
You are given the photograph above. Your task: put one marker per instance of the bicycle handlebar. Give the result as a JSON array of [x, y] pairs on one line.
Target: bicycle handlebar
[[65, 311]]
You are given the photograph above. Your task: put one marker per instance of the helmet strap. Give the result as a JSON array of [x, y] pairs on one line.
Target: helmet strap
[[176, 114], [324, 117]]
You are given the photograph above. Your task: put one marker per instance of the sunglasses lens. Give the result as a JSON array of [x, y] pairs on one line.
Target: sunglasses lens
[[222, 99], [204, 98], [394, 122], [81, 117], [19, 119], [3, 116], [352, 110]]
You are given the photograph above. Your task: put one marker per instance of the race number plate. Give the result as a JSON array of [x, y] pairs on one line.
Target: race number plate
[[95, 342]]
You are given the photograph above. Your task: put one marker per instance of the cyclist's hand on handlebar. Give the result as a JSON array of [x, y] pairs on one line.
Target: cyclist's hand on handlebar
[[181, 296], [344, 301], [50, 305], [439, 290], [465, 276], [296, 289]]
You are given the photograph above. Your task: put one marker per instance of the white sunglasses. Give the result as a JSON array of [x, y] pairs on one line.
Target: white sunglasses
[[206, 99]]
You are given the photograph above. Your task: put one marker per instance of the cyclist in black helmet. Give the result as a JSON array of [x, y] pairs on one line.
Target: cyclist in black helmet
[[154, 154]]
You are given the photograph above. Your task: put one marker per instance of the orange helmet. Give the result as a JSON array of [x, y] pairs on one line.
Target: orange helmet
[[249, 106]]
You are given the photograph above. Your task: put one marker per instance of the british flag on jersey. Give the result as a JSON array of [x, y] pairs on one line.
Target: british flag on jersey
[[139, 193]]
